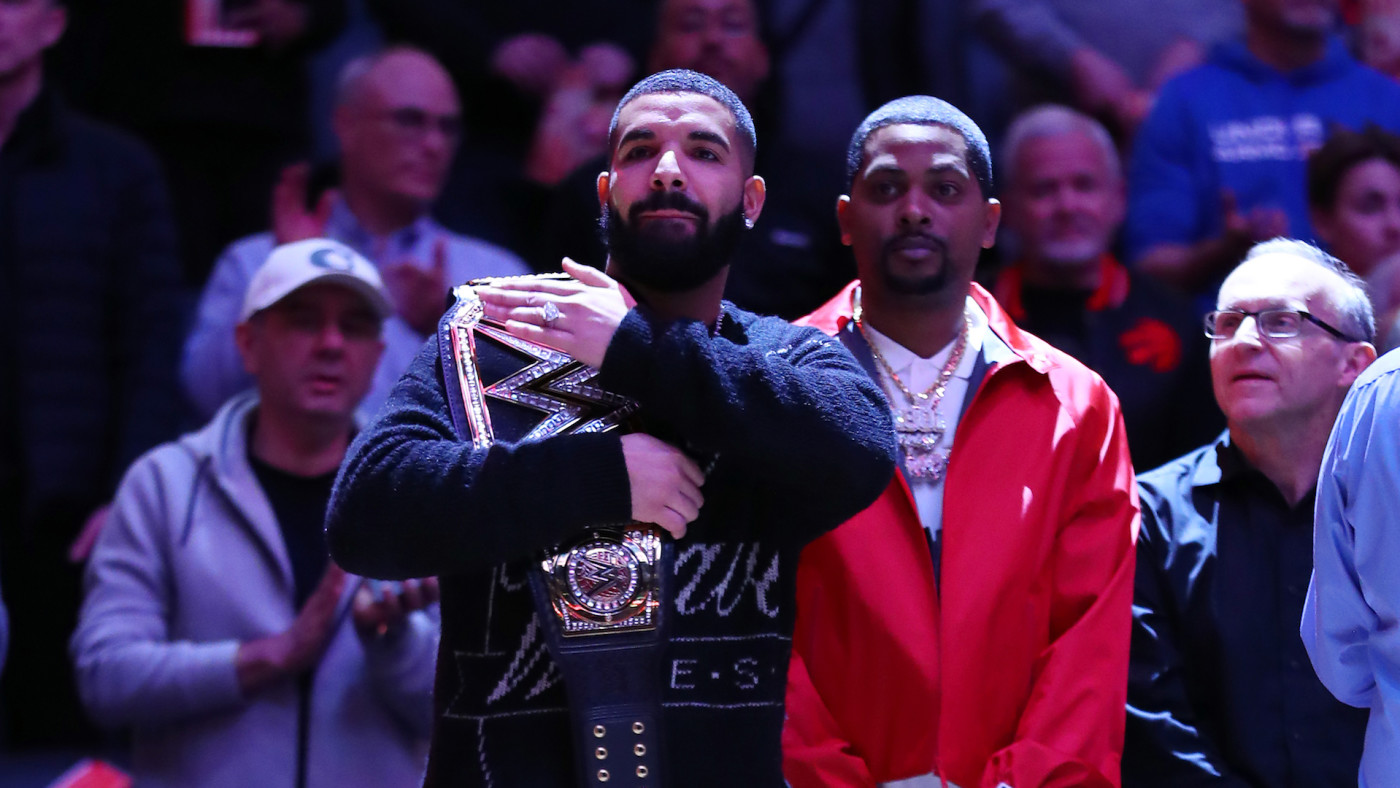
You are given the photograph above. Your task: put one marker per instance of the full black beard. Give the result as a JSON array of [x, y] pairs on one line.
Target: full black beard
[[671, 265]]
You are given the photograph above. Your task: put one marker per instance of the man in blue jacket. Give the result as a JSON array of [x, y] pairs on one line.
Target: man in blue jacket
[[1219, 162]]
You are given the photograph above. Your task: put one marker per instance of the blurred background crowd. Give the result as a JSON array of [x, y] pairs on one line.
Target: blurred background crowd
[[153, 152]]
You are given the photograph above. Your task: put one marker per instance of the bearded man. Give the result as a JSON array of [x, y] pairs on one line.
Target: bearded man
[[749, 438]]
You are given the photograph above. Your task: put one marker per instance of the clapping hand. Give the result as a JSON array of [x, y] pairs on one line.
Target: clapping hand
[[299, 647], [419, 295], [291, 221], [380, 608]]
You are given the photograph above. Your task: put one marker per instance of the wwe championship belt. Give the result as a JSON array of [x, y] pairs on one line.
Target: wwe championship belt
[[599, 598]]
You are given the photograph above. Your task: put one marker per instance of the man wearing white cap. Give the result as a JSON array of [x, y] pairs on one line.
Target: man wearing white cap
[[214, 624]]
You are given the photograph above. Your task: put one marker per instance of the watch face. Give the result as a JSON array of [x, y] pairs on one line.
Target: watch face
[[602, 576]]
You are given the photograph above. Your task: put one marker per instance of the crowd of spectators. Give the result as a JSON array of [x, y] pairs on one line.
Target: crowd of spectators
[[153, 154]]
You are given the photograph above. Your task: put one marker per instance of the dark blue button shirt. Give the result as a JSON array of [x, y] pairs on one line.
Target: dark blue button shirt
[[1220, 690]]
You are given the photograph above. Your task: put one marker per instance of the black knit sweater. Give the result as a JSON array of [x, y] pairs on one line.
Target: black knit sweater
[[803, 441]]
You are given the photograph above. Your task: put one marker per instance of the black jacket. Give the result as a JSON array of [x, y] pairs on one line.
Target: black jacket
[[92, 308]]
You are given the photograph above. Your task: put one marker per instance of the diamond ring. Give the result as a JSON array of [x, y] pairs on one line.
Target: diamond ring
[[551, 312]]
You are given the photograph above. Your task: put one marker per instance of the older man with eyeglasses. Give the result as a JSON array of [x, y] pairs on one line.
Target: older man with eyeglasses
[[1220, 689], [398, 121]]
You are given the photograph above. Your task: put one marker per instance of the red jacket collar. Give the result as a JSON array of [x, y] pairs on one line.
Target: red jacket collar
[[833, 316], [1111, 293]]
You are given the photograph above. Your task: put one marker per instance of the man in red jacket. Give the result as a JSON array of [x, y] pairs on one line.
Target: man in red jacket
[[971, 627]]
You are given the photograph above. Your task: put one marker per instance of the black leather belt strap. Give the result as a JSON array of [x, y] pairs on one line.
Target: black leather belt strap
[[613, 682]]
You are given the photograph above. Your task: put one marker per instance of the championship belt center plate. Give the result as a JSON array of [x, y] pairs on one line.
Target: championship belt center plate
[[516, 390]]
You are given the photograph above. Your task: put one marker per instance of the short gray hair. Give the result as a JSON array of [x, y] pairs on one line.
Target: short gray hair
[[350, 81], [1358, 316], [1055, 120]]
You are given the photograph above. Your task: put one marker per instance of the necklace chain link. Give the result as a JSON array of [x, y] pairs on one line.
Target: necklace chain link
[[919, 429]]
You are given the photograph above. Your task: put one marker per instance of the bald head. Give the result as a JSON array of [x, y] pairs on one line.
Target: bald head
[[383, 73], [1345, 292], [398, 120]]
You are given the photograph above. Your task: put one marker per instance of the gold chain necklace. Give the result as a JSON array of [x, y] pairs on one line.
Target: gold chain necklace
[[918, 427]]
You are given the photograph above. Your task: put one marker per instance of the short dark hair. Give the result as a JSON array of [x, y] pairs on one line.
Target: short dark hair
[[1343, 150], [1357, 314], [924, 111], [682, 80]]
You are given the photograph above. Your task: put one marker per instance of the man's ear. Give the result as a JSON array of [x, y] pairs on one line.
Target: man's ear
[[1358, 357], [843, 208], [989, 231], [604, 188], [755, 192], [55, 23]]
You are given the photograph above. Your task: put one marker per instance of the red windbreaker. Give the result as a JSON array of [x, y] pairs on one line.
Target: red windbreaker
[[1016, 674]]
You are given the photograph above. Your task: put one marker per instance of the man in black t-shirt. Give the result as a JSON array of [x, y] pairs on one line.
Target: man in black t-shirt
[[214, 625]]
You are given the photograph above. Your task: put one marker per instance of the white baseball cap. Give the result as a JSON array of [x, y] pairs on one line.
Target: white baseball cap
[[292, 266]]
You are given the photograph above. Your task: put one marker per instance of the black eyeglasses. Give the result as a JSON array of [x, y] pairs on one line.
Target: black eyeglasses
[[1272, 323], [415, 122]]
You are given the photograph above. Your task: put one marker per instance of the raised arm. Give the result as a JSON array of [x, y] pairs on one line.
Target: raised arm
[[766, 395], [413, 500]]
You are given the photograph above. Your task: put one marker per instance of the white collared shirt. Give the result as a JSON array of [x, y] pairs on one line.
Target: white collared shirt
[[919, 374]]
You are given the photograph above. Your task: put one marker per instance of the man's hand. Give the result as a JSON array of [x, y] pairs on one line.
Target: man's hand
[[290, 219], [299, 647], [81, 547], [586, 310], [573, 128], [419, 295], [278, 23], [530, 61], [1243, 230], [380, 608], [609, 66], [1182, 54], [665, 483], [1192, 267], [1099, 84], [1131, 110]]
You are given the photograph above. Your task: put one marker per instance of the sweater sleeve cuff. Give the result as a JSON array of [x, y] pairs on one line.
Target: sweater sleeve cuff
[[589, 477], [212, 673]]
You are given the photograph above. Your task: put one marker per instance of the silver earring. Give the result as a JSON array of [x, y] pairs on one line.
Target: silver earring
[[748, 221]]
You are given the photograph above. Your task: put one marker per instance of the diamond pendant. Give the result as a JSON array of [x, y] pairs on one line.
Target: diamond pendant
[[919, 432], [927, 466]]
